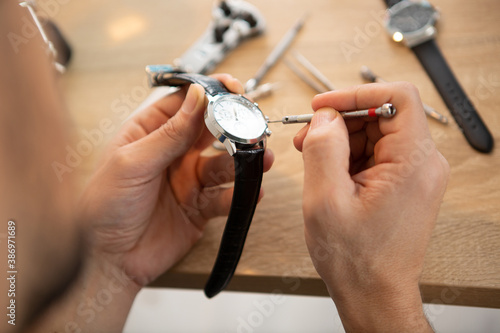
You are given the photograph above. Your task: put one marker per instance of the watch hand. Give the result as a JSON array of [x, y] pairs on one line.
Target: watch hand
[[235, 114]]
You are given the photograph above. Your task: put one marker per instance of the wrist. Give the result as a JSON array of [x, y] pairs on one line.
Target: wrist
[[382, 310], [105, 276], [99, 301]]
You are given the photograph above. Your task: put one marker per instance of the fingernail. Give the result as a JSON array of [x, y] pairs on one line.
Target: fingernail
[[323, 117], [191, 100]]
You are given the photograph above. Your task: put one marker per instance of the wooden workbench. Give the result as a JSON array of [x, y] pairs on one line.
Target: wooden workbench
[[114, 40]]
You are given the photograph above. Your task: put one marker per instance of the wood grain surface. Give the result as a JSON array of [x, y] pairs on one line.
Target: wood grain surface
[[114, 40]]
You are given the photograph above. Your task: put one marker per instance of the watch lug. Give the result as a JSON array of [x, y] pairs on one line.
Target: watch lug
[[263, 143], [230, 146]]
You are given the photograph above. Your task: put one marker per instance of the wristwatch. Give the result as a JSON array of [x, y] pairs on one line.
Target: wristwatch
[[412, 23], [241, 126]]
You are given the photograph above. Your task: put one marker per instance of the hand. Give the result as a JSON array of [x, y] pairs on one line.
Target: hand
[[144, 208], [154, 192], [372, 191]]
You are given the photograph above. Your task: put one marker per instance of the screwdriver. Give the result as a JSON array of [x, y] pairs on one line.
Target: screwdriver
[[275, 55], [386, 111]]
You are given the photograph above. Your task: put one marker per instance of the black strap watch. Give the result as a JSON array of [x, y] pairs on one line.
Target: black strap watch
[[240, 125], [412, 22]]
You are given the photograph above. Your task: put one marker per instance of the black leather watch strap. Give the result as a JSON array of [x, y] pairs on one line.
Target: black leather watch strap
[[466, 116], [212, 86], [249, 167]]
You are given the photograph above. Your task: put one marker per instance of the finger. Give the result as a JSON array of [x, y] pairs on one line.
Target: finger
[[172, 139], [408, 126], [219, 169], [232, 84], [215, 170], [216, 201], [369, 148], [268, 159], [363, 141], [171, 103], [159, 112], [205, 140], [326, 157], [404, 96], [373, 132], [357, 144], [353, 125], [298, 140]]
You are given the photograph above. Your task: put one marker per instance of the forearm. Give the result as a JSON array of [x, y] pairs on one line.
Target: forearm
[[99, 301]]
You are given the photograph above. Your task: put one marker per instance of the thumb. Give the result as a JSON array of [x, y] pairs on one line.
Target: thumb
[[326, 156], [175, 137]]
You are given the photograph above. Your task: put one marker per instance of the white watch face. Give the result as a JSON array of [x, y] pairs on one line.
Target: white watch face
[[239, 117]]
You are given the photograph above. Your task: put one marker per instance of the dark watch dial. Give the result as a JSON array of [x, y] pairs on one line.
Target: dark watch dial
[[412, 17]]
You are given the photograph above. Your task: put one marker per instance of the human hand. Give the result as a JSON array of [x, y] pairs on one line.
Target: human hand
[[154, 191], [145, 206], [372, 191]]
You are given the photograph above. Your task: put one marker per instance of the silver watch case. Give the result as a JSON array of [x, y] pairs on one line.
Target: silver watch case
[[231, 142], [415, 37]]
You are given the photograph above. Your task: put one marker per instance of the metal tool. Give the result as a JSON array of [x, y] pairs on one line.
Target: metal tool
[[386, 111], [274, 56], [232, 22], [306, 79], [262, 91], [368, 75], [324, 84]]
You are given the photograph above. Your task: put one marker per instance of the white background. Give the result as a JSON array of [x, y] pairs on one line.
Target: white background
[[189, 311]]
